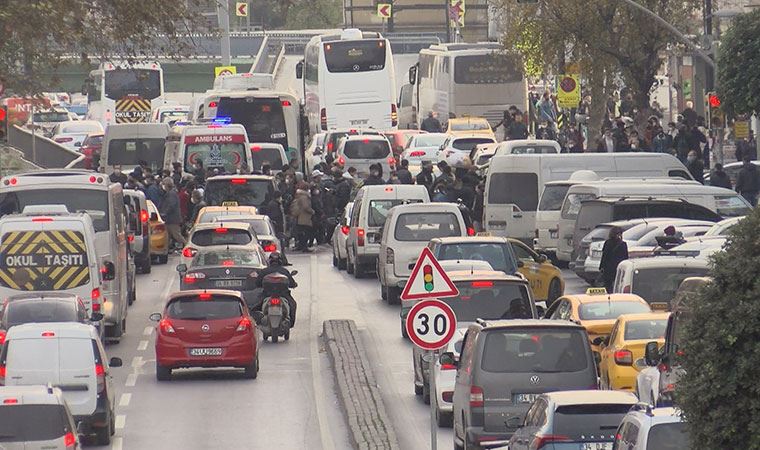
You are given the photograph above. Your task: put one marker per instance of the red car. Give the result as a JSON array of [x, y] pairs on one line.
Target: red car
[[206, 328], [91, 147]]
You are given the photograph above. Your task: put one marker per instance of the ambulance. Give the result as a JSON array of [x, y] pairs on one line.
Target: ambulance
[[219, 146]]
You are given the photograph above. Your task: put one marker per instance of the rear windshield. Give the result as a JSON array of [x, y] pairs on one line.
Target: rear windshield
[[600, 233], [435, 140], [378, 211], [658, 285], [222, 236], [497, 255], [668, 436], [731, 206], [272, 156], [369, 149], [645, 329], [422, 227], [490, 300], [542, 350], [596, 422], [227, 258], [552, 197], [128, 152], [193, 308], [572, 204], [92, 201], [519, 189], [19, 312], [93, 140], [355, 56], [533, 150], [25, 423], [468, 144], [260, 226], [470, 125], [610, 310], [237, 192], [227, 156]]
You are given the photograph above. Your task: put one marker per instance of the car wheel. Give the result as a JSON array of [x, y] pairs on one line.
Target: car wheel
[[426, 393], [252, 371], [349, 265], [417, 390], [286, 336], [341, 263], [146, 266], [444, 419], [335, 260], [555, 291], [163, 373], [394, 296], [404, 334], [358, 273], [162, 259]]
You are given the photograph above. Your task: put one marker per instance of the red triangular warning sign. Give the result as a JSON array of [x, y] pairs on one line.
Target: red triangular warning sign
[[428, 280]]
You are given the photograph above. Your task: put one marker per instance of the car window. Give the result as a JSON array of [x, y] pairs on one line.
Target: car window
[[467, 144], [485, 299], [522, 252], [221, 236], [29, 423], [422, 227], [497, 255], [227, 258], [520, 189], [628, 211], [572, 204], [659, 284], [552, 197], [533, 150], [19, 312], [378, 211], [195, 308], [425, 140], [534, 350], [270, 155], [581, 420], [668, 436], [238, 192], [610, 310], [260, 226], [731, 206], [366, 149], [467, 357], [645, 329]]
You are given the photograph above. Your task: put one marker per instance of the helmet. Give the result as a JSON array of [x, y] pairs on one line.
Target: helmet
[[275, 259]]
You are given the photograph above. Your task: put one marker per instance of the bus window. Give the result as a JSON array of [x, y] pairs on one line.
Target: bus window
[[486, 69], [94, 202], [263, 118], [142, 83], [355, 56]]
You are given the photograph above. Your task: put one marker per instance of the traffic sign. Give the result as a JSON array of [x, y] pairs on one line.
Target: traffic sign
[[221, 71], [241, 9], [569, 92], [741, 129], [384, 10], [428, 280], [431, 324]]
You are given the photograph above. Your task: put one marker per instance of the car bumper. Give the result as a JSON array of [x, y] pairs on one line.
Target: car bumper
[[176, 355], [623, 378], [487, 439], [97, 419]]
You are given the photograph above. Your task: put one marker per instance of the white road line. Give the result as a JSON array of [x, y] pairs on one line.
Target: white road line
[[121, 419], [124, 399], [137, 361], [142, 346], [315, 326], [116, 443], [131, 380], [148, 331]]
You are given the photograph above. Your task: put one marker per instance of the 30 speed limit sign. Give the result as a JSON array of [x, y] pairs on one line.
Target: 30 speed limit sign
[[431, 324]]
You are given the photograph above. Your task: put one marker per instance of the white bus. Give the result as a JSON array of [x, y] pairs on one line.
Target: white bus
[[349, 82], [477, 80], [124, 93]]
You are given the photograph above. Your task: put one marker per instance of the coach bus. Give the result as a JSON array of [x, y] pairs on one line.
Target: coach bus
[[124, 93]]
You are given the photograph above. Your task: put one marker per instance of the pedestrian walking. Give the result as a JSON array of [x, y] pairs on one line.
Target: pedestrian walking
[[695, 166], [425, 177], [403, 173], [614, 251], [375, 175], [302, 213], [170, 211], [431, 124], [517, 129], [719, 177], [748, 181]]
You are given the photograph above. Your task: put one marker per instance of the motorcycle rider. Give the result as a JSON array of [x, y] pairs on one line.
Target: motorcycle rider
[[276, 266]]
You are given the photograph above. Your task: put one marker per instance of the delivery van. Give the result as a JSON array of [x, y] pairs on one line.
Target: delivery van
[[126, 144]]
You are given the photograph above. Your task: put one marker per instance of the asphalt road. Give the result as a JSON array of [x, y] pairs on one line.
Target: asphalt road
[[293, 403]]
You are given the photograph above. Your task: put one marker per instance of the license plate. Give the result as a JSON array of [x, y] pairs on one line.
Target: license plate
[[526, 398], [659, 306], [206, 351], [275, 310], [553, 234], [228, 283], [596, 446], [596, 254], [230, 203]]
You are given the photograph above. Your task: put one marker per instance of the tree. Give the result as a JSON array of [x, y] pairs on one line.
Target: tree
[[314, 14], [719, 393], [44, 34], [738, 62]]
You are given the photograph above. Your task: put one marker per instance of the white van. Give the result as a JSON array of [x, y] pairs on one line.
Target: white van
[[362, 151], [528, 147], [70, 356], [126, 144], [169, 114], [90, 192], [268, 152], [407, 230], [223, 147], [514, 182], [371, 207], [724, 202]]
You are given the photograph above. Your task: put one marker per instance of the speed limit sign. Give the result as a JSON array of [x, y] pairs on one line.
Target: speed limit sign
[[431, 324]]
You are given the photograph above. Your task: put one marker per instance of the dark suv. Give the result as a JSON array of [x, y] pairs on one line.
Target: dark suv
[[505, 365]]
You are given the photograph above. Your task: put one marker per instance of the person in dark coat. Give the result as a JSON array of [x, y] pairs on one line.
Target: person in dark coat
[[403, 174], [695, 166], [517, 129], [614, 252], [170, 211], [118, 176], [431, 124], [375, 175], [719, 177], [748, 181], [425, 177]]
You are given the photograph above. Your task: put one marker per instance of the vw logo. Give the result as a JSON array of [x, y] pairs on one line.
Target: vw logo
[[205, 327], [534, 379], [356, 67]]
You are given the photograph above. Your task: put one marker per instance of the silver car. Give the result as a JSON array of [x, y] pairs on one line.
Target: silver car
[[36, 417]]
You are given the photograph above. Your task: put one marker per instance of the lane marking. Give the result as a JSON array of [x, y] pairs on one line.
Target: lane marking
[[316, 378], [116, 443], [148, 331], [131, 380], [137, 361], [125, 399], [121, 420], [142, 346]]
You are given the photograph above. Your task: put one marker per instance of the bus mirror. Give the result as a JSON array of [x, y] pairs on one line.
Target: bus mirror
[[299, 70], [413, 75]]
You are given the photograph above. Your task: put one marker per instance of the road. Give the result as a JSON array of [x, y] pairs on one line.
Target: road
[[293, 403]]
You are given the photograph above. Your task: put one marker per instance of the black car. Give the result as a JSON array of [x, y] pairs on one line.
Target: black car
[[44, 307]]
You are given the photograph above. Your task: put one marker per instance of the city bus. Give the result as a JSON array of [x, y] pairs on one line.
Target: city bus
[[477, 80], [124, 93], [349, 82]]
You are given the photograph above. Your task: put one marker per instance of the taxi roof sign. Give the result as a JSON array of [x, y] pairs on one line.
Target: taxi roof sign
[[428, 280], [596, 291]]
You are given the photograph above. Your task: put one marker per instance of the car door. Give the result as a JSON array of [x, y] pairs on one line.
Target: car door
[[607, 352], [535, 272]]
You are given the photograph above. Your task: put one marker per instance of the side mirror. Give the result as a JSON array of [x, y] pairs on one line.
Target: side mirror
[[413, 74], [514, 422], [153, 217], [541, 311], [652, 353], [181, 268], [520, 264], [601, 340], [155, 317], [293, 273], [299, 70], [542, 258], [448, 359], [258, 316], [96, 317], [115, 362], [108, 271]]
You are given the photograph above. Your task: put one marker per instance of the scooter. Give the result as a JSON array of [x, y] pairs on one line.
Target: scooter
[[274, 317]]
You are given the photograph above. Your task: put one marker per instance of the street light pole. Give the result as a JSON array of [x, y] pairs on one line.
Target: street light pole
[[223, 14]]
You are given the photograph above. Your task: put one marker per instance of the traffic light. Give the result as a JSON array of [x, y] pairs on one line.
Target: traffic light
[[3, 124], [427, 272], [715, 117], [713, 100]]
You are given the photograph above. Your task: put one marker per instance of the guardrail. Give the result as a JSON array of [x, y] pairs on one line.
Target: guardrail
[[43, 152]]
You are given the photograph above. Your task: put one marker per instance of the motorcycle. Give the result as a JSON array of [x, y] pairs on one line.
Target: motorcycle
[[274, 317]]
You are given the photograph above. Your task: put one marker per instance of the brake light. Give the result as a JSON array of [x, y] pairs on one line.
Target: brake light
[[10, 401], [48, 334], [69, 439], [627, 289], [286, 103], [389, 189], [541, 440], [221, 230], [323, 118], [144, 216], [237, 181], [213, 104], [274, 301], [228, 262], [482, 284], [204, 296], [2, 375], [100, 374], [42, 219], [476, 397], [61, 140], [341, 161], [394, 115], [470, 231], [244, 325], [130, 238], [3, 333], [270, 248], [448, 396], [448, 367], [95, 295], [624, 357], [330, 146], [255, 148], [416, 153], [191, 278], [360, 237], [344, 229], [189, 252], [165, 326]]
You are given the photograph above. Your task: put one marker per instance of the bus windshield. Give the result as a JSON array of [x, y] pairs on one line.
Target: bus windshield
[[89, 200], [493, 68], [263, 118], [355, 56], [128, 152], [143, 83]]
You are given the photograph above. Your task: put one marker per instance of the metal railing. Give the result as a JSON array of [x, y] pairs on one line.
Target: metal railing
[[42, 151]]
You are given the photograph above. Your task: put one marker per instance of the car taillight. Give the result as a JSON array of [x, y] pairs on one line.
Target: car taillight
[[2, 375], [144, 216], [344, 229], [100, 375], [220, 230], [394, 115], [270, 247], [416, 153], [160, 228], [389, 256], [244, 325], [627, 289], [330, 146], [624, 357], [470, 231], [448, 396], [360, 237], [191, 278], [341, 161], [275, 301], [61, 140], [69, 440], [448, 366], [541, 440], [213, 104], [482, 284], [323, 118], [189, 252], [3, 333], [392, 160], [476, 397], [165, 326], [130, 238]]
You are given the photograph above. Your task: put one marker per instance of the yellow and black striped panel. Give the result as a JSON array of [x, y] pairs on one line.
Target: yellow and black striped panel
[[132, 110], [49, 260]]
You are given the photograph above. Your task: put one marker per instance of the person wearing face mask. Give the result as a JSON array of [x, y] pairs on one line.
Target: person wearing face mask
[[614, 252], [170, 211], [117, 176], [695, 166], [375, 175]]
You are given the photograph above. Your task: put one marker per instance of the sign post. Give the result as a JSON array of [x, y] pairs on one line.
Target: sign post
[[569, 92], [431, 323]]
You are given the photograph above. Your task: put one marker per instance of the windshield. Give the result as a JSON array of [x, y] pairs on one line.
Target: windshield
[[731, 206], [171, 116], [19, 312], [227, 258], [552, 197], [497, 255], [422, 227], [262, 117], [355, 56], [668, 436], [533, 150], [468, 144], [645, 329], [74, 200], [32, 423], [378, 211], [366, 149], [225, 156], [542, 350], [221, 236], [269, 155], [128, 152], [237, 192], [610, 310], [659, 284], [490, 300], [142, 83], [51, 117], [215, 308], [492, 68], [572, 204], [584, 422], [260, 226], [425, 140]]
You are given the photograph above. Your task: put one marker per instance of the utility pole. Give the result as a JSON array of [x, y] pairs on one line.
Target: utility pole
[[223, 14], [448, 20], [710, 75]]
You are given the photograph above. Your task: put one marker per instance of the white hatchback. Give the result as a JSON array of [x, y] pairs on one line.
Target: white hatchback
[[457, 149]]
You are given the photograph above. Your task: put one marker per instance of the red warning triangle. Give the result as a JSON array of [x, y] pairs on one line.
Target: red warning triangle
[[428, 280]]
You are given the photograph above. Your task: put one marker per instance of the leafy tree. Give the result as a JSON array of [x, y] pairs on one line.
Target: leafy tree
[[306, 14], [738, 62], [44, 34], [719, 393]]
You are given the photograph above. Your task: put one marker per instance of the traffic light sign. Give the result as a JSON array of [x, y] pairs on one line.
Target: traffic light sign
[[715, 116], [713, 100], [427, 273]]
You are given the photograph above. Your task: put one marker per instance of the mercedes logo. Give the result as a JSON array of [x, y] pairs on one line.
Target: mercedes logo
[[205, 327], [356, 67], [534, 379]]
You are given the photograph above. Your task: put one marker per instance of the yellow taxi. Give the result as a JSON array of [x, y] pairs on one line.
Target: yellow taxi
[[209, 213], [159, 237], [596, 311], [545, 278], [625, 346], [468, 126]]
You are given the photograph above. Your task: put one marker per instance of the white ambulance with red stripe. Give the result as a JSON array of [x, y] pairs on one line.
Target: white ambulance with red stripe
[[216, 146]]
